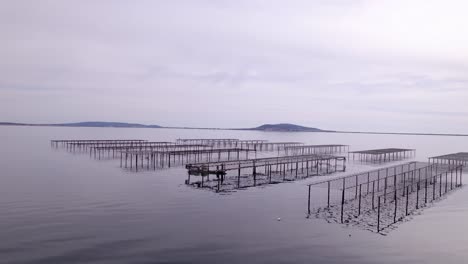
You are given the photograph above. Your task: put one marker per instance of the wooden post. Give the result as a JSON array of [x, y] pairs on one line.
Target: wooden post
[[395, 196], [407, 199], [417, 196], [359, 207], [238, 176], [425, 192], [356, 186], [378, 216], [440, 185], [373, 193], [385, 191], [342, 200], [308, 204]]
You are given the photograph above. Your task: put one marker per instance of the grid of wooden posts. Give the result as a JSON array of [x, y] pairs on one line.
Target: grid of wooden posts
[[315, 149], [166, 158], [364, 199], [382, 155], [111, 151], [460, 158], [394, 206], [84, 144], [230, 175], [254, 144]]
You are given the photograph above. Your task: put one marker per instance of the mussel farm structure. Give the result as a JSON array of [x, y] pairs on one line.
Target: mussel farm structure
[[376, 200], [229, 175], [460, 158], [382, 155], [315, 149]]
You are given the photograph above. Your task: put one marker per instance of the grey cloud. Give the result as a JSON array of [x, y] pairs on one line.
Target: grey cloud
[[304, 56]]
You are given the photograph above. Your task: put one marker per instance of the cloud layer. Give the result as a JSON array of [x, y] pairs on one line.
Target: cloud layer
[[348, 65]]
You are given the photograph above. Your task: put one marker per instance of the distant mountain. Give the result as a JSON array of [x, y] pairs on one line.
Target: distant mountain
[[284, 127], [86, 124], [106, 124], [12, 124]]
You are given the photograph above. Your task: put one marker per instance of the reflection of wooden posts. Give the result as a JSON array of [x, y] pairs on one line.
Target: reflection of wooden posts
[[328, 198]]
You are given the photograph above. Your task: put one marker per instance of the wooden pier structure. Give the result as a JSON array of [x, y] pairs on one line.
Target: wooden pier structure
[[168, 157], [215, 142], [112, 150], [375, 200], [255, 144], [315, 149], [382, 155], [83, 143], [254, 172], [454, 159]]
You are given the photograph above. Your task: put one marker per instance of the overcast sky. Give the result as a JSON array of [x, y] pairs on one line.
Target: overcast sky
[[346, 65]]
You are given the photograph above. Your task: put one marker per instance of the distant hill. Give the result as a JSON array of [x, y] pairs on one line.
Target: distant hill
[[284, 127], [86, 124], [106, 124]]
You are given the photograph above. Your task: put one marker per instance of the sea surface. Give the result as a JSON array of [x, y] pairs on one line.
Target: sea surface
[[60, 207]]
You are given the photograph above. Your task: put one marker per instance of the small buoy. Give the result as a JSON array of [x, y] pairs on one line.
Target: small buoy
[[349, 235], [279, 219]]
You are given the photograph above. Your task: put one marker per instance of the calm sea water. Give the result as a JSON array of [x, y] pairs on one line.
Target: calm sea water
[[58, 207]]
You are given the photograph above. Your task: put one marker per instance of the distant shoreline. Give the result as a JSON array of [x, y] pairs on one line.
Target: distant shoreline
[[123, 125]]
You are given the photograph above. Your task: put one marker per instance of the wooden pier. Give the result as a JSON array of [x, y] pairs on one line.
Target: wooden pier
[[315, 149], [382, 155], [274, 146], [86, 142], [376, 200], [454, 159], [215, 142], [111, 150], [167, 157], [254, 172]]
